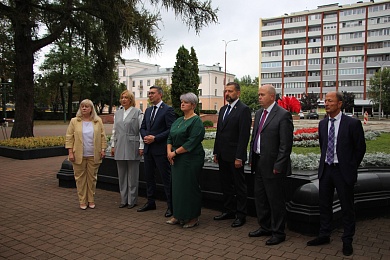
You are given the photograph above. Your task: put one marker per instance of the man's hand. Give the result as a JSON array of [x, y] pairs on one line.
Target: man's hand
[[237, 163], [149, 139]]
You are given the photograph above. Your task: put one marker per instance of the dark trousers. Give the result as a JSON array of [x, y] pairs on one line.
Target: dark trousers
[[234, 188], [151, 162], [331, 179], [270, 201]]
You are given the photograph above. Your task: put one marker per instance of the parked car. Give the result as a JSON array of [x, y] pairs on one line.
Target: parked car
[[301, 115], [312, 115]]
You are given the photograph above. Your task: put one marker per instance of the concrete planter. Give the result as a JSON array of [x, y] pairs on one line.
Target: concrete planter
[[26, 154]]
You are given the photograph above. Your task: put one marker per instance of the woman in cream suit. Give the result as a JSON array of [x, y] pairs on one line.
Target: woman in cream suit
[[127, 147], [86, 143]]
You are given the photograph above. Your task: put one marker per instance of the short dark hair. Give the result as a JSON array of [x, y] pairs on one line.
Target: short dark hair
[[159, 89], [235, 84]]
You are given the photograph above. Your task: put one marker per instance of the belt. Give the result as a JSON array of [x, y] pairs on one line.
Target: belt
[[332, 164]]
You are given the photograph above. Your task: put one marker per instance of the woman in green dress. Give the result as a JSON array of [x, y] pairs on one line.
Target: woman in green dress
[[186, 155]]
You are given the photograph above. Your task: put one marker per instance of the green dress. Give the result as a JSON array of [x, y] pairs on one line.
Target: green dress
[[186, 192]]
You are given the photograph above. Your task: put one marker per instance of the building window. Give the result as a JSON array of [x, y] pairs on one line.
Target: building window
[[215, 106], [124, 73], [141, 83], [148, 82], [133, 83], [200, 79], [140, 94], [141, 106], [215, 92], [216, 80], [200, 92]]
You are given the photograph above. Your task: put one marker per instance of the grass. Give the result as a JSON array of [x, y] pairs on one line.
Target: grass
[[380, 145]]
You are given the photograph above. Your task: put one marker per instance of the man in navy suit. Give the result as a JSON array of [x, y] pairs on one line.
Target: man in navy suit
[[343, 146], [230, 152], [154, 130], [270, 149]]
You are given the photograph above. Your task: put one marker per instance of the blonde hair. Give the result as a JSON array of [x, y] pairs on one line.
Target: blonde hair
[[89, 103], [130, 95]]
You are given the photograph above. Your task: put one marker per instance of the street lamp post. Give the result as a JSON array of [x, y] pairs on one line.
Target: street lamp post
[[63, 100], [380, 92], [224, 77]]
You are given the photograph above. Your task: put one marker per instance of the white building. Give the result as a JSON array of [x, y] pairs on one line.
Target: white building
[[334, 47], [139, 77]]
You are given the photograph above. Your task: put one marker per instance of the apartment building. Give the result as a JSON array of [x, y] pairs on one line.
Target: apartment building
[[333, 47], [139, 77]]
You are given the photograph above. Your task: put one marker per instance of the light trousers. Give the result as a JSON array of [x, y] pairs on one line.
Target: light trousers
[[128, 176], [85, 175]]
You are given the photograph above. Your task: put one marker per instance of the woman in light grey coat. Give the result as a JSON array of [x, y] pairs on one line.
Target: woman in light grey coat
[[127, 148]]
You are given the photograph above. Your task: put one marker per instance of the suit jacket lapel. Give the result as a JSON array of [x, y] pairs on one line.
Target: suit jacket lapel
[[271, 115]]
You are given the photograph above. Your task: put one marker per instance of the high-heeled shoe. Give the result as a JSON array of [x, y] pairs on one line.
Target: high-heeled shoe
[[172, 221], [188, 225], [91, 205], [83, 206]]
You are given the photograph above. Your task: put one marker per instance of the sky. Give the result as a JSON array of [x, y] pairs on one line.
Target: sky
[[236, 20]]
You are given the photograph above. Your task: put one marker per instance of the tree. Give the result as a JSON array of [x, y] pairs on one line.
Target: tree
[[348, 101], [185, 77], [309, 101], [249, 96], [380, 89], [125, 23], [167, 99]]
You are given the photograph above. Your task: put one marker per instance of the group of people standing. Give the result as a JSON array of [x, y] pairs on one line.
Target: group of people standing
[[174, 147]]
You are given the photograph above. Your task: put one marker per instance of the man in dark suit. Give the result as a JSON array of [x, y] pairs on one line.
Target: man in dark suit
[[230, 152], [154, 130], [343, 146], [270, 150]]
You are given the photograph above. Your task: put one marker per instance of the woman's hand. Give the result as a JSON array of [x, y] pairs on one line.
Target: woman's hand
[[113, 151], [141, 152], [171, 156], [102, 154], [71, 156]]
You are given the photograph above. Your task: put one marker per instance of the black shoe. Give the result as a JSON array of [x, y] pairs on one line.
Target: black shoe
[[347, 249], [147, 207], [224, 216], [274, 241], [122, 205], [131, 206], [238, 222], [168, 213], [319, 241], [259, 233]]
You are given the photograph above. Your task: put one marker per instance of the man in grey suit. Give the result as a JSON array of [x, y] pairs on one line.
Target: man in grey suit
[[230, 152], [154, 130], [270, 150]]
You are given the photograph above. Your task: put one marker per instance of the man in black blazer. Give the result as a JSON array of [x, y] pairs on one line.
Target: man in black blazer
[[343, 146], [154, 130], [230, 152], [270, 149]]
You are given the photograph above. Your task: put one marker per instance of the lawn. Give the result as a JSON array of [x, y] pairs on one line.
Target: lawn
[[381, 144]]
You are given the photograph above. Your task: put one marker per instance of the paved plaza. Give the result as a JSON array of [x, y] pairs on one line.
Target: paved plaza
[[39, 220]]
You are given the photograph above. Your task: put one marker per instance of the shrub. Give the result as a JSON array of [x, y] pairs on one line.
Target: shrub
[[208, 123], [34, 142]]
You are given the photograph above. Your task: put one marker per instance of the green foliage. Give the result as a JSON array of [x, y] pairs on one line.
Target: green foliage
[[348, 101], [185, 77], [381, 81], [102, 28], [208, 123], [249, 96], [167, 98], [309, 101], [210, 112]]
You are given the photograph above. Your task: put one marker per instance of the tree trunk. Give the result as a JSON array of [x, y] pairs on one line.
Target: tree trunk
[[24, 84]]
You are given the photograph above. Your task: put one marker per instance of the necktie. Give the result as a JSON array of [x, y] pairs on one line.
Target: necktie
[[153, 114], [227, 112], [263, 117], [331, 139]]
